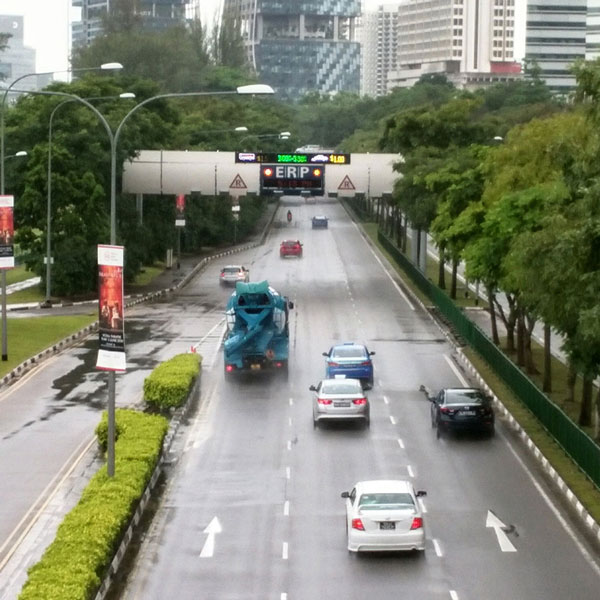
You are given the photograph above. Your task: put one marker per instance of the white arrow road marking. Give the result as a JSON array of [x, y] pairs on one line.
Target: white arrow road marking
[[493, 521], [213, 528]]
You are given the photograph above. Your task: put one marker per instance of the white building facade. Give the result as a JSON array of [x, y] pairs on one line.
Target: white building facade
[[556, 38], [471, 42], [378, 34]]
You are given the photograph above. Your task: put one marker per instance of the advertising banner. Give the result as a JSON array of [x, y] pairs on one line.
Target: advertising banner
[[7, 250], [180, 210], [111, 350]]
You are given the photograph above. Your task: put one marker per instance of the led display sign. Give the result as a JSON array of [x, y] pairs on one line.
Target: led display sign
[[291, 178], [325, 158]]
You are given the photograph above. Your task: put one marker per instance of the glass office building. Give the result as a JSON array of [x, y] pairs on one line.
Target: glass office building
[[300, 46]]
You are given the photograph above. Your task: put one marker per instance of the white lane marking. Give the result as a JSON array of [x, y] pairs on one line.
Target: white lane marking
[[400, 443], [493, 521], [284, 553], [456, 371], [410, 471], [386, 399], [283, 596], [453, 595], [398, 288], [393, 420], [197, 344], [437, 548], [291, 402], [588, 557], [288, 472], [422, 505], [286, 508], [212, 529], [36, 516], [290, 421], [289, 444]]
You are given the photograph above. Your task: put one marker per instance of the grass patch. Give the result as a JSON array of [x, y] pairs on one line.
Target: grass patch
[[19, 273], [28, 336], [148, 274], [30, 294]]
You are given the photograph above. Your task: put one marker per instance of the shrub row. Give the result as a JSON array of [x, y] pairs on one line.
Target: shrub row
[[170, 383], [75, 562]]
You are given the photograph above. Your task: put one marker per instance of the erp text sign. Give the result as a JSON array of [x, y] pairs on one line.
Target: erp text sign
[[291, 177]]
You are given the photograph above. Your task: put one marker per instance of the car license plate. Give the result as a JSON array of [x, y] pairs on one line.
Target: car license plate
[[468, 413], [255, 366], [387, 525], [342, 404]]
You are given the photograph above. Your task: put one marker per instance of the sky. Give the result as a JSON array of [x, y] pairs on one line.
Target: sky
[[47, 27]]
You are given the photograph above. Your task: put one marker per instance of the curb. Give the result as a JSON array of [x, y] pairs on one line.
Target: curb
[[582, 513]]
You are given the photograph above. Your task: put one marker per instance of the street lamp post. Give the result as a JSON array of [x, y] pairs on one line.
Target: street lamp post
[[47, 303], [105, 66]]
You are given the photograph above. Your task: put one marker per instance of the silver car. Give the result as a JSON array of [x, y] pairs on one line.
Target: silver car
[[340, 399], [384, 515], [231, 274]]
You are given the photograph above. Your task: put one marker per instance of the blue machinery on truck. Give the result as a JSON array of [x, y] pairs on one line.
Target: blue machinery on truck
[[257, 329]]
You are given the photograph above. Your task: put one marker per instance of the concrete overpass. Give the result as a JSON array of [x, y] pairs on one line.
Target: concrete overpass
[[216, 173]]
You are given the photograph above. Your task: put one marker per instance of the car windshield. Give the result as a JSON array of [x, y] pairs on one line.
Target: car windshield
[[464, 397], [389, 501], [341, 387], [348, 352]]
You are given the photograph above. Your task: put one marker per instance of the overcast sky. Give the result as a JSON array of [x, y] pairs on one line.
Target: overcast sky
[[47, 28]]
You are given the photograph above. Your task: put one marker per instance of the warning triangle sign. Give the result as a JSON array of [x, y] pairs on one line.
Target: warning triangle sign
[[346, 184], [237, 183]]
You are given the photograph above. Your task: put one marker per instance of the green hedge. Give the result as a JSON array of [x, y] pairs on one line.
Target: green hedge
[[169, 384], [73, 565]]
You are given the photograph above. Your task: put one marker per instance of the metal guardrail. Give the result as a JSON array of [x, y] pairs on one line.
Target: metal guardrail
[[584, 451]]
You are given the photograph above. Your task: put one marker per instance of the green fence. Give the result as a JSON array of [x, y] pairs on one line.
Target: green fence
[[576, 443]]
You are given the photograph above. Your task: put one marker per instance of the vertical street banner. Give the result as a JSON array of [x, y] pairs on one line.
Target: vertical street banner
[[111, 350], [180, 210], [7, 232]]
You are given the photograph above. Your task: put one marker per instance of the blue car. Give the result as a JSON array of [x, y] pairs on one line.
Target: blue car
[[350, 360]]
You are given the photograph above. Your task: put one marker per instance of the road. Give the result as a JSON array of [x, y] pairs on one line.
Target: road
[[252, 507]]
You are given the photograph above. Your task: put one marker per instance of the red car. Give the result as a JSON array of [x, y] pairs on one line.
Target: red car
[[290, 248]]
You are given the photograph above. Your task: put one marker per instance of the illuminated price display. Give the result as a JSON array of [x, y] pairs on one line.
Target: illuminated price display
[[291, 177], [296, 158]]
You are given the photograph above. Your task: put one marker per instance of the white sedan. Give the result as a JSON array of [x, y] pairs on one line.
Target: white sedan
[[384, 515]]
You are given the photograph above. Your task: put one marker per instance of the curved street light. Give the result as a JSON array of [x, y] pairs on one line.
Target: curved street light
[[125, 95], [19, 153]]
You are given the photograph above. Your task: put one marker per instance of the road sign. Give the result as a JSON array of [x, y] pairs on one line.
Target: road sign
[[324, 158], [237, 183], [346, 184], [292, 178]]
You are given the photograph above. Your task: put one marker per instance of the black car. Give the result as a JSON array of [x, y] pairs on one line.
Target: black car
[[454, 409]]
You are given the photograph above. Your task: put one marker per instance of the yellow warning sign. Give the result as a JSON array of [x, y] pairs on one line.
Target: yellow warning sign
[[346, 184], [237, 183]]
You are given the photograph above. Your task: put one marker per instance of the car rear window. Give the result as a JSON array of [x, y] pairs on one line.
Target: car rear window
[[465, 397], [341, 387], [390, 501], [231, 270], [290, 244], [351, 352]]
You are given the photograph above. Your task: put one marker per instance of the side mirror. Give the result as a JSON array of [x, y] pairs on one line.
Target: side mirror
[[420, 493], [312, 388], [290, 305], [371, 353], [345, 494], [423, 389], [325, 353]]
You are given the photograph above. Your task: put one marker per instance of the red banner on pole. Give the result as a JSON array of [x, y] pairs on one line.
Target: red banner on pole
[[7, 232], [180, 210], [111, 351]]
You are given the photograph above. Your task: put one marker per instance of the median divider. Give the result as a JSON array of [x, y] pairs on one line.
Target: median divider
[[92, 540]]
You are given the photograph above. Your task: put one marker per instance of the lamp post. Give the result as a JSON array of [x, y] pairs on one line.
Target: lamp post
[[105, 66], [47, 303], [19, 153]]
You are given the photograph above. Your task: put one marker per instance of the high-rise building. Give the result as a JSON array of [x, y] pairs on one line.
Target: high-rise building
[[156, 16], [592, 37], [301, 46], [471, 42], [377, 32], [18, 59], [555, 38]]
